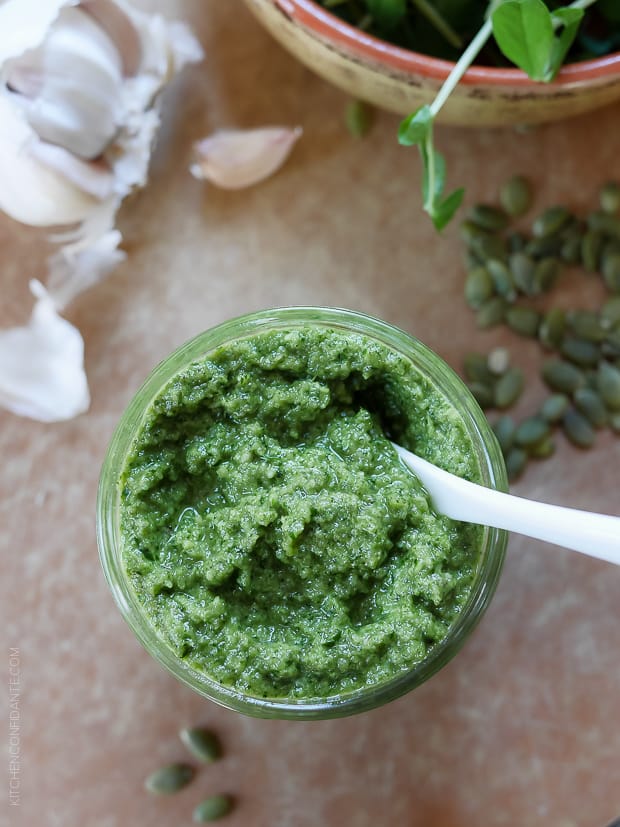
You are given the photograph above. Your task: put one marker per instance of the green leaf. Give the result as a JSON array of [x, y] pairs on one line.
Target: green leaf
[[387, 13], [524, 32], [569, 20], [444, 211], [416, 127]]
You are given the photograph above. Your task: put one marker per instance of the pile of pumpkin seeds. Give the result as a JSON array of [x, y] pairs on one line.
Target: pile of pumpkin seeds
[[205, 746], [507, 271]]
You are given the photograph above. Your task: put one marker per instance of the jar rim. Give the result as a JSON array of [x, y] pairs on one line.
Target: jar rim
[[435, 370]]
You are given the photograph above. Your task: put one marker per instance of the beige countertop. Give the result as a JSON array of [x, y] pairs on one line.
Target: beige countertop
[[523, 727]]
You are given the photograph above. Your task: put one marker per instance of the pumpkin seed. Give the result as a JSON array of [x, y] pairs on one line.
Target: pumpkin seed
[[491, 313], [358, 118], [610, 197], [611, 345], [202, 743], [549, 245], [469, 232], [545, 274], [477, 369], [589, 403], [580, 351], [586, 324], [554, 407], [542, 449], [522, 268], [516, 196], [502, 279], [578, 429], [508, 388], [515, 463], [523, 320], [610, 311], [591, 249], [570, 251], [213, 808], [483, 394], [504, 430], [531, 431], [479, 287], [614, 422], [609, 385], [498, 361], [487, 246], [550, 221], [610, 268], [605, 223], [516, 242], [488, 217], [169, 779], [551, 328], [471, 260], [562, 376]]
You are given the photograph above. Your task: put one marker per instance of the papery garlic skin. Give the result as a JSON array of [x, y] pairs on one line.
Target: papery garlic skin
[[238, 158], [42, 365]]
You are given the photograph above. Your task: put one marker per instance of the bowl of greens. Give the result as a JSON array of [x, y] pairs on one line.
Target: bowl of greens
[[471, 62]]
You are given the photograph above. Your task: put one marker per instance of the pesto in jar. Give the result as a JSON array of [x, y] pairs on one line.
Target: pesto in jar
[[269, 529]]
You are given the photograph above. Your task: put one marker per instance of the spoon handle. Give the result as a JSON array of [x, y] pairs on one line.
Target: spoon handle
[[597, 535]]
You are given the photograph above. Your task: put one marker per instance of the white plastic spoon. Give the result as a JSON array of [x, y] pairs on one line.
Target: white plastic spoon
[[595, 534]]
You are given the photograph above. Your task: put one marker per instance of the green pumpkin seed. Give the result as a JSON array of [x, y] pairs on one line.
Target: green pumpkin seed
[[477, 369], [202, 743], [504, 430], [609, 385], [610, 197], [471, 260], [487, 246], [551, 328], [531, 431], [516, 242], [483, 394], [550, 221], [498, 361], [516, 196], [213, 808], [358, 118], [610, 312], [562, 376], [589, 403], [554, 407], [542, 449], [469, 232], [586, 324], [508, 388], [522, 268], [580, 351], [570, 251], [490, 218], [515, 463], [491, 313], [169, 779], [479, 287], [550, 245], [523, 320], [591, 249], [614, 422], [545, 275], [611, 346], [502, 279], [610, 268], [603, 222], [578, 429]]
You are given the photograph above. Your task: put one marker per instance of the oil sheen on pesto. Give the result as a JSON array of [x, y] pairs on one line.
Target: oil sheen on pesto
[[269, 529]]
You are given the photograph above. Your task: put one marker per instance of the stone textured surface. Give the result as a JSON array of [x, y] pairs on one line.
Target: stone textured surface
[[523, 728]]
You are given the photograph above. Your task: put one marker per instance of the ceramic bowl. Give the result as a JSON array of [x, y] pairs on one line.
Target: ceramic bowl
[[400, 80]]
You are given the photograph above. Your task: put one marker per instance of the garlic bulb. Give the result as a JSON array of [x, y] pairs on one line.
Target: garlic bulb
[[79, 83], [237, 158]]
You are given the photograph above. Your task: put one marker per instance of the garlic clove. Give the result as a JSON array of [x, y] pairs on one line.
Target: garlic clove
[[31, 191], [24, 24], [119, 27], [91, 177], [42, 365], [76, 268], [234, 159]]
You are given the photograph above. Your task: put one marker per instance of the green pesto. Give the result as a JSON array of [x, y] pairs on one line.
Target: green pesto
[[269, 529]]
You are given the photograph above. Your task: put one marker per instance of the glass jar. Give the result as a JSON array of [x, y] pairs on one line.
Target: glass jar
[[108, 512]]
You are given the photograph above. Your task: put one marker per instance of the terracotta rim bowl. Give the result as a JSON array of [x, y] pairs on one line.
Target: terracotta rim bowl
[[400, 80]]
